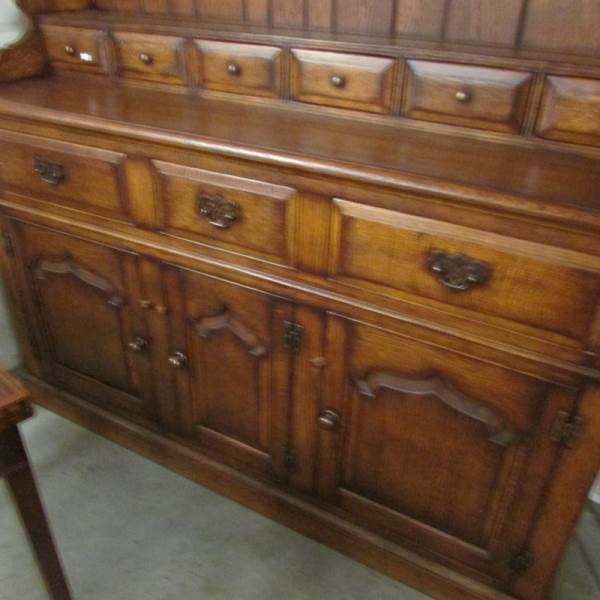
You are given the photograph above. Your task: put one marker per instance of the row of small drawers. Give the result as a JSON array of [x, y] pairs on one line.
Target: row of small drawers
[[384, 251], [472, 96]]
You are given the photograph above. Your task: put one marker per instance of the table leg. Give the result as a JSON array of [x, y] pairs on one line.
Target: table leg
[[17, 472]]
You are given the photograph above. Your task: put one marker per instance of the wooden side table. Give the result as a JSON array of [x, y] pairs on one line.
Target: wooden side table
[[14, 467]]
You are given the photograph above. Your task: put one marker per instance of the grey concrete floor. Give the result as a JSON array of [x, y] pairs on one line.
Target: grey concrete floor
[[129, 529]]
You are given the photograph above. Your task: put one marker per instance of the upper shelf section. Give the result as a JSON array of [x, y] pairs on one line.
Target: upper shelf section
[[569, 26]]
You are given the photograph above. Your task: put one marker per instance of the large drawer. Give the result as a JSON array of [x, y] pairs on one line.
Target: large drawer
[[344, 80], [62, 173], [237, 214], [570, 110], [396, 254], [471, 96]]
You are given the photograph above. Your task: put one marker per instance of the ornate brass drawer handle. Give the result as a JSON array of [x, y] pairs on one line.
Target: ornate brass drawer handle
[[457, 271], [50, 172], [218, 212]]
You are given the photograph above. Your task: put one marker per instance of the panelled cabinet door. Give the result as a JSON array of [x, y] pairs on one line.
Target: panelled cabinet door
[[445, 453], [232, 369], [92, 338]]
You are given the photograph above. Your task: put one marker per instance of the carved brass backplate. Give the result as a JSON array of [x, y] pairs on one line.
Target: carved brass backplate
[[50, 172], [457, 271], [218, 212]]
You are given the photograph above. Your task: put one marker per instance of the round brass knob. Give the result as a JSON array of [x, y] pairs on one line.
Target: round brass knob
[[138, 344], [338, 81], [146, 58], [462, 96], [329, 419], [70, 50], [179, 360], [234, 68]]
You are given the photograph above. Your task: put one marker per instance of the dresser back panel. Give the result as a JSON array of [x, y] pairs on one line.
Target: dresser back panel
[[527, 24]]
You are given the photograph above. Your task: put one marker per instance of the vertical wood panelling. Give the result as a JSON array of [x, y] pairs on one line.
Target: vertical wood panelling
[[422, 18], [154, 7], [320, 14], [358, 16], [221, 10], [484, 21], [257, 12], [288, 13], [564, 26], [182, 7]]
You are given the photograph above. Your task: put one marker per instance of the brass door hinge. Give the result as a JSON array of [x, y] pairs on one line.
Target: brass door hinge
[[292, 336], [290, 460], [9, 246], [520, 561], [567, 429]]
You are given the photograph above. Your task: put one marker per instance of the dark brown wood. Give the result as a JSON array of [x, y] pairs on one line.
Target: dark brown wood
[[15, 469], [351, 253]]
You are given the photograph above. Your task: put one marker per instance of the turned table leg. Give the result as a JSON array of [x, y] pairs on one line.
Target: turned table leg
[[15, 468]]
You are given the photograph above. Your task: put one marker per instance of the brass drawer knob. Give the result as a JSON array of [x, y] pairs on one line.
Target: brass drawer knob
[[234, 69], [218, 211], [50, 172], [463, 96], [146, 58], [139, 344], [178, 361], [70, 50], [457, 271], [329, 419], [338, 81]]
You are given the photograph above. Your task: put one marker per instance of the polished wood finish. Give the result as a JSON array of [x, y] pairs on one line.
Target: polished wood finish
[[239, 68], [346, 80], [15, 469], [475, 97], [347, 277], [570, 110]]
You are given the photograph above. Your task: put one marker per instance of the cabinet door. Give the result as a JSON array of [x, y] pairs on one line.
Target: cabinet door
[[91, 335], [437, 450], [232, 369]]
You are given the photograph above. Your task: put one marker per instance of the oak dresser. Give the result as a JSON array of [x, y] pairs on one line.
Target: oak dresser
[[336, 260]]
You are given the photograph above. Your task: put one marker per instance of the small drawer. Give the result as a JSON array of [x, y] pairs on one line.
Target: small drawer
[[150, 57], [345, 80], [72, 175], [395, 254], [233, 213], [76, 48], [481, 97], [570, 110], [239, 68]]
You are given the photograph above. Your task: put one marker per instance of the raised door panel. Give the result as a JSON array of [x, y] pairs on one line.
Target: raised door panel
[[94, 342], [434, 449], [233, 381]]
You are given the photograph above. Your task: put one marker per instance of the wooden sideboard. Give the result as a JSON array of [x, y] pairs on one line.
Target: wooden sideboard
[[337, 261]]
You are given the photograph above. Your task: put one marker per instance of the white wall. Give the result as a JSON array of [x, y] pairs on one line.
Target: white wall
[[12, 22]]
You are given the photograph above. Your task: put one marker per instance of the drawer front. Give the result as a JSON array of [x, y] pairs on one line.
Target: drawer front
[[345, 80], [233, 213], [70, 174], [239, 68], [487, 273], [570, 110], [150, 57], [480, 97], [76, 48]]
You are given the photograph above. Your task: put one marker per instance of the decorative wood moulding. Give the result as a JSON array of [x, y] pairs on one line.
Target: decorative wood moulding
[[23, 59], [68, 266]]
